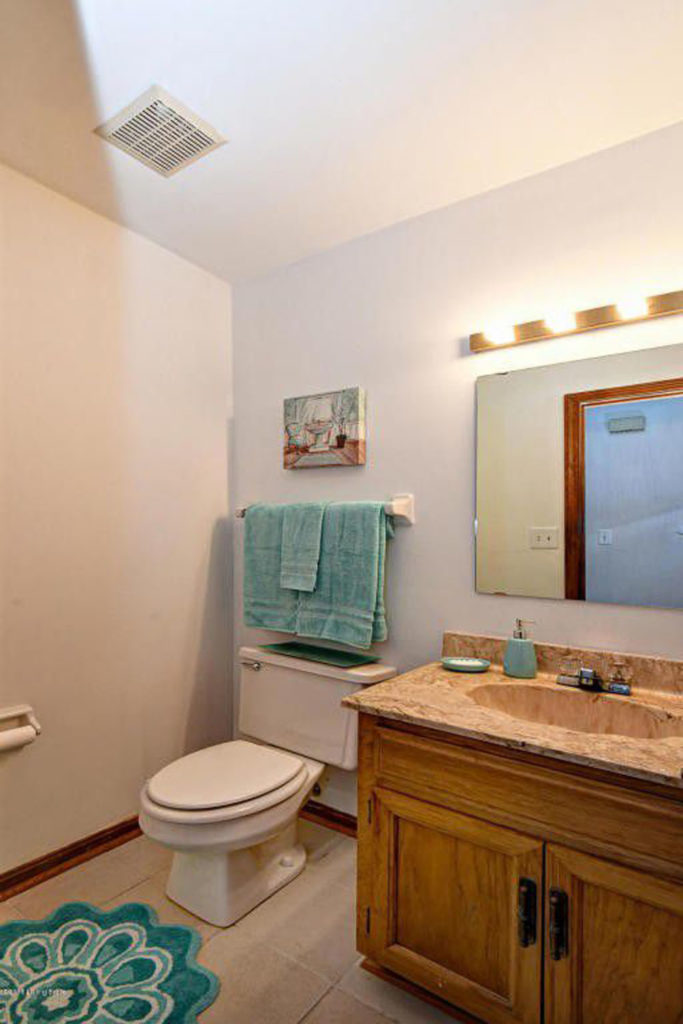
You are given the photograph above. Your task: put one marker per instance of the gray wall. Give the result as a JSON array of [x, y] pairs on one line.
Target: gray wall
[[391, 312]]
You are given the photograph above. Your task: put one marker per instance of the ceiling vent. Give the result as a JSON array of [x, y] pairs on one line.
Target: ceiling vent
[[160, 132]]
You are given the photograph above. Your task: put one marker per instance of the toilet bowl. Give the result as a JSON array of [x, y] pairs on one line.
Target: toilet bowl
[[234, 844], [229, 812]]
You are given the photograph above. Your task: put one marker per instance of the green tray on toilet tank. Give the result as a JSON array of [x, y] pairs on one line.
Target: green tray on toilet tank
[[325, 655]]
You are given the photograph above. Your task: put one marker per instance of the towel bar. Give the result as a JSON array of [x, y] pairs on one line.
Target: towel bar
[[401, 507]]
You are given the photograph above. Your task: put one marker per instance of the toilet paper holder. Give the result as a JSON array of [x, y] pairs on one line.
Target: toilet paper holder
[[24, 732]]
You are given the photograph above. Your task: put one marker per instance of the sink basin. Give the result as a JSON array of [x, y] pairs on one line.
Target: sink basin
[[579, 711]]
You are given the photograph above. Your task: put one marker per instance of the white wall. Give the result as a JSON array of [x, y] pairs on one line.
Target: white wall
[[391, 312], [114, 406]]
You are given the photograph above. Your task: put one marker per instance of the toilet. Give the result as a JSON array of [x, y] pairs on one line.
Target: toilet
[[229, 812]]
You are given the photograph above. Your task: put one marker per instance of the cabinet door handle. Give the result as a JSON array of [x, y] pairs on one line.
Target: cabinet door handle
[[558, 924], [527, 903]]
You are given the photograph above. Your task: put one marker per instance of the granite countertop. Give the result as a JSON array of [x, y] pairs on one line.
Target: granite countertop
[[435, 698]]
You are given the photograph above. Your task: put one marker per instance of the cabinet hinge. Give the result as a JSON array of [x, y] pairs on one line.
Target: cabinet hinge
[[370, 811], [367, 920]]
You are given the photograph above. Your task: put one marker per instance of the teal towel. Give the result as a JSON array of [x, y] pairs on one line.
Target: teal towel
[[301, 532], [266, 604], [347, 604]]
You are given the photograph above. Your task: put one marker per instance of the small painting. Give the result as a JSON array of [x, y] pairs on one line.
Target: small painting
[[325, 430]]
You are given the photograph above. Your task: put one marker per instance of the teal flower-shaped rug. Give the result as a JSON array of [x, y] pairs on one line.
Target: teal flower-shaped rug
[[104, 967]]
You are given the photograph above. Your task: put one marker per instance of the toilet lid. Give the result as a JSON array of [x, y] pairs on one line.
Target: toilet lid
[[228, 773]]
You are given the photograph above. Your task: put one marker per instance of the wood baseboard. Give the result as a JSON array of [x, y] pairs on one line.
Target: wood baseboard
[[25, 876], [330, 817], [33, 872], [420, 993]]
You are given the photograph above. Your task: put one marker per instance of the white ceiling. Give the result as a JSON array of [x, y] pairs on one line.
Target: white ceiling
[[343, 116]]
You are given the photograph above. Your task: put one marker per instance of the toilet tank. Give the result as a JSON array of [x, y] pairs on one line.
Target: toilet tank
[[296, 704]]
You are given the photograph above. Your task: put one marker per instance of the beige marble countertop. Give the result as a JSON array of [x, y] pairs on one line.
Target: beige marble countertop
[[438, 699]]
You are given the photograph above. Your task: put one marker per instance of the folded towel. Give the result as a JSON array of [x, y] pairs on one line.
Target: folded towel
[[266, 603], [347, 604], [301, 534]]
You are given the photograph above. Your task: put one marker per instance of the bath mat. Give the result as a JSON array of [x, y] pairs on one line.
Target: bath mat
[[82, 964]]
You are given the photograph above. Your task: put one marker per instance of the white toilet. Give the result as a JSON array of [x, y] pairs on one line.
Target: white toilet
[[229, 812]]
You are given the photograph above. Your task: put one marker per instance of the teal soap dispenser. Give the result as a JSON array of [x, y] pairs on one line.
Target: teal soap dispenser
[[520, 654]]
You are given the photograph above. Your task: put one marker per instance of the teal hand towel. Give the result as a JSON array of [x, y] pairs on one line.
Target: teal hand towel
[[266, 604], [301, 533], [347, 604]]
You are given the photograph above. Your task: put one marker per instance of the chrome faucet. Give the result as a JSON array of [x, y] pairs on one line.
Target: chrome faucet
[[583, 679], [588, 679]]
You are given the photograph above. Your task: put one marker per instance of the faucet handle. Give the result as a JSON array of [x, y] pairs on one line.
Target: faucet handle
[[618, 671], [569, 671], [619, 677], [569, 666]]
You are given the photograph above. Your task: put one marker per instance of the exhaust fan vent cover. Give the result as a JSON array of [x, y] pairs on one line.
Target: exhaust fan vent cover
[[160, 132]]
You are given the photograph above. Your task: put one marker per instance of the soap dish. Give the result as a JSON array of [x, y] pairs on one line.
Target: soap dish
[[466, 664]]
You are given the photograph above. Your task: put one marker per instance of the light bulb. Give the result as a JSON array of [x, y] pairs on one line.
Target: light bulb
[[500, 334], [561, 322], [632, 307]]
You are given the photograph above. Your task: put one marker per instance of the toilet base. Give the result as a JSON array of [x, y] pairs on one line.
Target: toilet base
[[222, 887]]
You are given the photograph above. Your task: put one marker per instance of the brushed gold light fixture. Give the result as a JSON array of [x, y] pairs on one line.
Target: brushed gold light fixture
[[628, 310]]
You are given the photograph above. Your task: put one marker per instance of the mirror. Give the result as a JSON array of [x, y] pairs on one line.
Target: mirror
[[580, 480]]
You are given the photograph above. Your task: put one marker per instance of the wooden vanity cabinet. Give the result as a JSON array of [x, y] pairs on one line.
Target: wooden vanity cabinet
[[514, 889], [445, 911], [624, 928]]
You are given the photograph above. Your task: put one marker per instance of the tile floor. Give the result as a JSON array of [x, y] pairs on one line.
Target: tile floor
[[293, 959]]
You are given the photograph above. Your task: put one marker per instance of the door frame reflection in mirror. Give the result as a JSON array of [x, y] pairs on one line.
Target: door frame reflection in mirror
[[575, 406]]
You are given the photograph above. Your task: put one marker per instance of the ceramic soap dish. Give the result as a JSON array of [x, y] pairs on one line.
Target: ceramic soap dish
[[466, 664]]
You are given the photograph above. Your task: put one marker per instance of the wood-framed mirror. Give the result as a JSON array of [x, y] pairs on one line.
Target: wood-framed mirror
[[580, 480]]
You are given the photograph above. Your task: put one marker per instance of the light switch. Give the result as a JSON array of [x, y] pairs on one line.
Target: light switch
[[604, 537], [544, 537]]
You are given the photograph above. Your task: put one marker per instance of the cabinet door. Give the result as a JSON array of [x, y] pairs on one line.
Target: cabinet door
[[453, 901], [615, 943]]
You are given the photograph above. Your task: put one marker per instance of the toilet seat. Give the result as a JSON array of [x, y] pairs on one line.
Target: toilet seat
[[223, 776], [220, 814], [279, 766]]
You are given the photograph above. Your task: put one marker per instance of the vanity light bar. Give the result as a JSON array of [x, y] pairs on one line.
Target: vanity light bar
[[629, 311]]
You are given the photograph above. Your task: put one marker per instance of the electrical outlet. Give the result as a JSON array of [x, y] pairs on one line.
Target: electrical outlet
[[544, 537]]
